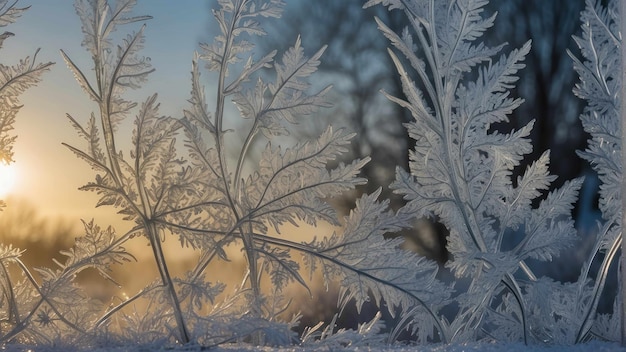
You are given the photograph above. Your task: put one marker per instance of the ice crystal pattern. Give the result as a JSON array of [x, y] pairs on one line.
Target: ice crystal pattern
[[600, 86], [461, 170], [177, 177], [204, 197]]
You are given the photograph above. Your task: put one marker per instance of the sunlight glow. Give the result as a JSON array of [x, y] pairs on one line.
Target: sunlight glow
[[8, 177]]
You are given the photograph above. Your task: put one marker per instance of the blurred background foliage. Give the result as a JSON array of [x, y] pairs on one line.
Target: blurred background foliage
[[42, 238]]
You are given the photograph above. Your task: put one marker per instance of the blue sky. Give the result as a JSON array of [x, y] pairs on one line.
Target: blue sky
[[49, 174]]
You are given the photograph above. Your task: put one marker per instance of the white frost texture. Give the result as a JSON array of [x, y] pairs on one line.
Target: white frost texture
[[212, 185]]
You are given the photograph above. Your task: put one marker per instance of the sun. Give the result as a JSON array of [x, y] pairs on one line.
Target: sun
[[8, 177]]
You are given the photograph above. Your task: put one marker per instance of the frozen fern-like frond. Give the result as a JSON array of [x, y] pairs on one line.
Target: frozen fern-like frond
[[548, 229], [57, 308], [10, 299], [405, 281], [98, 249], [289, 184], [201, 200], [555, 309], [14, 80], [600, 86], [288, 97], [117, 66], [400, 280], [151, 180], [15, 305], [607, 326], [460, 171], [146, 326], [9, 254], [9, 13]]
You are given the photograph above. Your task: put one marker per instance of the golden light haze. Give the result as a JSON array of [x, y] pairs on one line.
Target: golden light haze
[[8, 178], [49, 174]]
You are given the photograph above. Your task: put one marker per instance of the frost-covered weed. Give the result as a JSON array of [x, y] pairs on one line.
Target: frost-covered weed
[[205, 198], [600, 85], [14, 80], [22, 301], [461, 171], [179, 179]]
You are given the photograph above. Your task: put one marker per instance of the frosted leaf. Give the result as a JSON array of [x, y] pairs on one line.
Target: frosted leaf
[[270, 104], [547, 233], [289, 185], [9, 13], [556, 310], [98, 249], [219, 55], [607, 326], [14, 80], [404, 280], [600, 85], [120, 66], [8, 253]]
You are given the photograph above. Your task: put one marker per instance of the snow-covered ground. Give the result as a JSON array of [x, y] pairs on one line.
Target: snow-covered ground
[[471, 347], [594, 346]]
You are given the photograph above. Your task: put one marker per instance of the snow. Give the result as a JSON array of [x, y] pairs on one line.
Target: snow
[[595, 346]]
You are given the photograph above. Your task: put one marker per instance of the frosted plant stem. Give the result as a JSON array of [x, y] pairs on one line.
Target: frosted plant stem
[[125, 303], [155, 241], [248, 240], [591, 309], [622, 11], [242, 157], [166, 278], [247, 237]]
